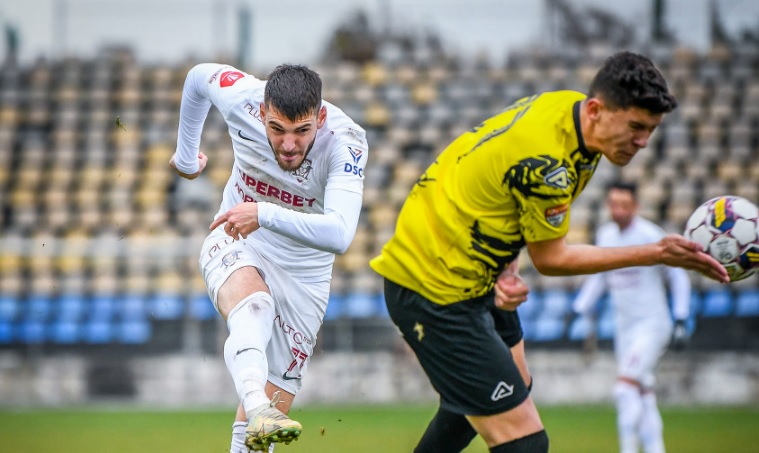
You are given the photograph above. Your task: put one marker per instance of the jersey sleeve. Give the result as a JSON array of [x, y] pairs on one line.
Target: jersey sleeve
[[348, 159], [542, 188], [206, 84], [331, 232]]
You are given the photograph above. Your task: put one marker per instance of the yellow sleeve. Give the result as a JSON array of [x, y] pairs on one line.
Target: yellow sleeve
[[541, 186]]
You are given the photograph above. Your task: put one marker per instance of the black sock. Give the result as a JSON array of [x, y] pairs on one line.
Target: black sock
[[447, 433], [534, 443]]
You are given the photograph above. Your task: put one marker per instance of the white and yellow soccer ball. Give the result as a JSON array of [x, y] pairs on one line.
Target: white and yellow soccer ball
[[728, 229]]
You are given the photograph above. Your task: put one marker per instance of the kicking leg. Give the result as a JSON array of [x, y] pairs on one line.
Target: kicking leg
[[245, 303]]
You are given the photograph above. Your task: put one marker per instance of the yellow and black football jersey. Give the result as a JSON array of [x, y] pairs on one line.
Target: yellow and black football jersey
[[506, 182]]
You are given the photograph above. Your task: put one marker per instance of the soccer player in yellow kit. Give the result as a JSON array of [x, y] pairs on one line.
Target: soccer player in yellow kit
[[451, 282]]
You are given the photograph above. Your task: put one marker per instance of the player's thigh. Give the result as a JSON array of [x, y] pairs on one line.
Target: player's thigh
[[299, 311], [465, 359], [515, 423], [230, 270], [509, 328], [640, 352]]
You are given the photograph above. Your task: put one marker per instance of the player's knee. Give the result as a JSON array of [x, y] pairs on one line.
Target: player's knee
[[534, 443], [448, 432]]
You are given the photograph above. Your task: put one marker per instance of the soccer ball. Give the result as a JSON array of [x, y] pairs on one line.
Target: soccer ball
[[728, 229]]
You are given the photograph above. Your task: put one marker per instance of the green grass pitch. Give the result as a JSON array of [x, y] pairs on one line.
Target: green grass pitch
[[352, 429]]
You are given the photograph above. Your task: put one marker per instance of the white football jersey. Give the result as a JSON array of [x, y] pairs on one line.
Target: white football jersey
[[637, 293], [290, 234]]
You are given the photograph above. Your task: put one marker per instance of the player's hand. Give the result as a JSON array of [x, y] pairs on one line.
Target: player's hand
[[680, 336], [679, 252], [239, 221], [510, 291], [202, 161]]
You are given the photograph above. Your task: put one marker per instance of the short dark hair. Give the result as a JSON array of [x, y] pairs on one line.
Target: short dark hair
[[294, 90], [626, 186], [629, 80]]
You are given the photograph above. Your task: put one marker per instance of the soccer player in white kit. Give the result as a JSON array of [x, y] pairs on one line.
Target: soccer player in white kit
[[291, 203], [643, 324]]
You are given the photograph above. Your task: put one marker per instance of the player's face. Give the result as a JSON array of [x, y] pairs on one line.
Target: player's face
[[619, 134], [291, 140], [622, 206]]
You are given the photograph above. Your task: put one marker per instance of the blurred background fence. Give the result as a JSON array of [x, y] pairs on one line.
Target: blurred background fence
[[100, 292]]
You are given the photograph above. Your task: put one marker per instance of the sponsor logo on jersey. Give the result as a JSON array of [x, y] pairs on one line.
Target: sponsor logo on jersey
[[214, 76], [557, 178], [239, 134], [229, 78], [556, 215], [502, 390], [253, 111], [296, 336], [219, 246], [294, 370], [356, 153], [269, 190]]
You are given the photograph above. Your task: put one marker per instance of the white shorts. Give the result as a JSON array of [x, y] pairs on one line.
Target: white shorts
[[299, 306], [638, 349]]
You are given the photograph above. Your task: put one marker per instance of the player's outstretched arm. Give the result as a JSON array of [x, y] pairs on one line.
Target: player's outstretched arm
[[202, 161], [556, 257]]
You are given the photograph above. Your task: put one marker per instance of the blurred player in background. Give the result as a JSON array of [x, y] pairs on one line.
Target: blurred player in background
[[505, 184], [643, 325], [291, 203]]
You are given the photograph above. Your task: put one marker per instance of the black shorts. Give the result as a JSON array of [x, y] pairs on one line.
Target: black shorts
[[467, 360]]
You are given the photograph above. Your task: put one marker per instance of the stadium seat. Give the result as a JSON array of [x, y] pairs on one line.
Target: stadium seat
[[335, 308], [66, 332], [6, 332], [201, 307], [166, 306], [580, 327], [548, 329], [134, 331], [103, 307], [530, 309], [9, 307], [362, 304], [717, 303], [98, 331], [70, 307], [132, 307], [38, 307], [747, 303], [32, 332], [556, 303]]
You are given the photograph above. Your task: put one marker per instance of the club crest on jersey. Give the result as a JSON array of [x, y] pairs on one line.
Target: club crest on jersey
[[356, 154], [557, 178], [229, 78], [301, 174], [556, 215]]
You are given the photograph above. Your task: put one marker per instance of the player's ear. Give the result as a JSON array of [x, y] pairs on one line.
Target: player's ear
[[321, 117], [593, 108], [262, 111]]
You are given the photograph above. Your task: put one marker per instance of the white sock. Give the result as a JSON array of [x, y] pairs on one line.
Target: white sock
[[651, 426], [250, 325], [238, 438], [629, 411]]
